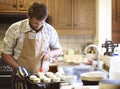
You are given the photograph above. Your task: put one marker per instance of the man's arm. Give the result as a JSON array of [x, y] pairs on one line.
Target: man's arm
[[52, 54], [9, 60], [21, 71], [56, 52]]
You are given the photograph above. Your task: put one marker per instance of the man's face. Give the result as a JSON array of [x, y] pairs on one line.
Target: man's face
[[36, 24]]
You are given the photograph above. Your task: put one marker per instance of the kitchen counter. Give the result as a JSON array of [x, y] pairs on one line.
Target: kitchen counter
[[60, 65], [57, 66], [78, 86], [81, 69]]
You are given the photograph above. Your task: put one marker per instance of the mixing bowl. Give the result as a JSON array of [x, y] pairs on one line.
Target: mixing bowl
[[92, 78]]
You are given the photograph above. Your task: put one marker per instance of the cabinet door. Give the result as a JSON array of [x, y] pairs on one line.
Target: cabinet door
[[84, 14], [8, 5], [60, 13], [24, 4], [116, 21]]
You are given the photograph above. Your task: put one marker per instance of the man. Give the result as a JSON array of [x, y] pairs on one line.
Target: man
[[28, 41]]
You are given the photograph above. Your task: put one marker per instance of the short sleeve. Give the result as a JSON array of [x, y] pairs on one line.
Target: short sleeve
[[9, 41]]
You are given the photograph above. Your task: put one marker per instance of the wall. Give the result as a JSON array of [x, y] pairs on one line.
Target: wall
[[104, 22], [75, 41], [3, 28]]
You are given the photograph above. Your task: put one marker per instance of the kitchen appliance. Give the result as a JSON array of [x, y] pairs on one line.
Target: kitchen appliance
[[109, 47], [4, 68], [5, 75], [114, 70]]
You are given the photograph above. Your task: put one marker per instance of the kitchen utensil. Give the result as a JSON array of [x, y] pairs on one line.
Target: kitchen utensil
[[41, 68]]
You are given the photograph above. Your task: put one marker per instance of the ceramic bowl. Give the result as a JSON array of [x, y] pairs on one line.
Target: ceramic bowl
[[71, 79], [92, 78]]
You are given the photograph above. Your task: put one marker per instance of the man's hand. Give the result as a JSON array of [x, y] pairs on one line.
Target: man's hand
[[22, 72], [47, 56]]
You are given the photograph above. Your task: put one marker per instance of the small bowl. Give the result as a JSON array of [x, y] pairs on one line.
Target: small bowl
[[92, 78], [71, 79]]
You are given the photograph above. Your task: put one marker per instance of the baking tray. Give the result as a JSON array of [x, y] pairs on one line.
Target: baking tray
[[28, 80], [42, 85]]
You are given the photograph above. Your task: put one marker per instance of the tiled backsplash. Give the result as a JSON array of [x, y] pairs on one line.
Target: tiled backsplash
[[67, 41], [3, 28], [75, 42]]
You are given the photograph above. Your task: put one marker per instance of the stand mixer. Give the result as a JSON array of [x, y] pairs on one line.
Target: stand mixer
[[109, 48]]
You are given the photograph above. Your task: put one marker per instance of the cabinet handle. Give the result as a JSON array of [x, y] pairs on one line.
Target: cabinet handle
[[21, 5], [14, 6]]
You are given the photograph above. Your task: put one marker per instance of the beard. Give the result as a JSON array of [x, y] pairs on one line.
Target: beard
[[35, 28]]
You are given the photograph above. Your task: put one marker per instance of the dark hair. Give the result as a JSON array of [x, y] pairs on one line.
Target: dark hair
[[38, 11]]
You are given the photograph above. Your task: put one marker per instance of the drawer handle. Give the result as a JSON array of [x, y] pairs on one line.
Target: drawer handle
[[21, 5]]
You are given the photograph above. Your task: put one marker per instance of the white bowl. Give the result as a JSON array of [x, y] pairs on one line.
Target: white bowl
[[71, 79], [93, 76]]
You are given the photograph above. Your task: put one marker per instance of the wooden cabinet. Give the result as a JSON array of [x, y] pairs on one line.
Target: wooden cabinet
[[73, 16], [17, 5], [84, 14], [23, 4], [116, 21], [8, 5], [60, 13]]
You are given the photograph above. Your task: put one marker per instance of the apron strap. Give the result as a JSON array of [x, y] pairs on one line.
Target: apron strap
[[18, 83]]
